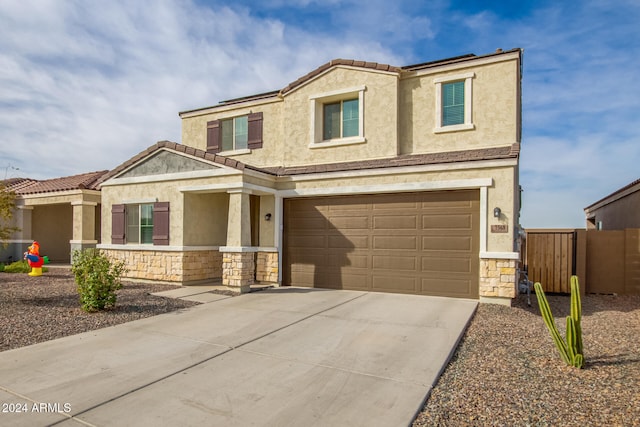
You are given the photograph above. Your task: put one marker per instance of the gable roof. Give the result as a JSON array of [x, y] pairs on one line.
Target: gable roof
[[180, 148], [84, 181], [352, 63]]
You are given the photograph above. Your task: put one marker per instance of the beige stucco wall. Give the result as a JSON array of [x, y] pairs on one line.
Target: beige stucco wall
[[194, 131], [205, 219], [380, 117], [494, 110], [168, 190]]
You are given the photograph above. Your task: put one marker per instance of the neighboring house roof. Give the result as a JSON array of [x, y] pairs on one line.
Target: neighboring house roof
[[618, 194], [85, 181], [215, 158]]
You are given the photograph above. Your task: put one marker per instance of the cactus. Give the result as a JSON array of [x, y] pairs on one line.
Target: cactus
[[571, 349]]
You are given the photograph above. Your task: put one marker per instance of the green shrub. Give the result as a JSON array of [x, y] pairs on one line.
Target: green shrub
[[97, 279], [17, 267]]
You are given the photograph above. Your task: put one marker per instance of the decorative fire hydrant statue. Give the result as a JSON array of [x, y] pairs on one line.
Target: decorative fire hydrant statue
[[34, 259]]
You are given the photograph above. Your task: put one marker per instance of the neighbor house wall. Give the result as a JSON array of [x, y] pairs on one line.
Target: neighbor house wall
[[619, 214]]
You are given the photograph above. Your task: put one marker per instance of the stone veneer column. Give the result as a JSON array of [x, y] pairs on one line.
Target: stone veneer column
[[238, 270], [498, 278], [267, 267], [238, 264]]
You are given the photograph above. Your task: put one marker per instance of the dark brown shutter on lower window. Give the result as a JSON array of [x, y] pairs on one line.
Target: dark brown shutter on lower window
[[255, 130], [161, 223], [117, 224], [213, 136]]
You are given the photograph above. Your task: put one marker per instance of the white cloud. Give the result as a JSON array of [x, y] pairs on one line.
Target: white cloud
[[87, 87]]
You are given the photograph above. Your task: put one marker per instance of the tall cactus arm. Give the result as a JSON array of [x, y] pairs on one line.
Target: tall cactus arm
[[545, 310], [576, 312]]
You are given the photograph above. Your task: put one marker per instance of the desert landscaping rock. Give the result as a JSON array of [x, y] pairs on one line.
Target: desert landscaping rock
[[506, 371]]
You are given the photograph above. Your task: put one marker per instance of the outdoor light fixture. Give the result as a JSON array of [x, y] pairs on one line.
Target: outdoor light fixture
[[496, 212], [267, 217]]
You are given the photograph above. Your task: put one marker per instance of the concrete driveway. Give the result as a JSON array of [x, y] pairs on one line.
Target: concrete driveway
[[280, 357]]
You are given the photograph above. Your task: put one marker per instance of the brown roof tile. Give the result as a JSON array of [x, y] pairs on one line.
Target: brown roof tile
[[76, 182], [506, 152], [334, 63], [221, 160]]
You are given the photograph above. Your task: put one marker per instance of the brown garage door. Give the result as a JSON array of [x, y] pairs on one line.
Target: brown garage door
[[420, 243]]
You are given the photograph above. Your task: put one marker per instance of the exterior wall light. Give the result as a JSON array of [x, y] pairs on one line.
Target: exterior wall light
[[267, 217], [496, 212]]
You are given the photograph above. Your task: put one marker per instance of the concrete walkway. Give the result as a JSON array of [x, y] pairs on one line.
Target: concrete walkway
[[280, 357]]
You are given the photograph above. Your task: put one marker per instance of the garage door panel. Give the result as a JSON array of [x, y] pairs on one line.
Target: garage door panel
[[390, 283], [395, 242], [446, 287], [424, 243], [448, 243], [395, 222], [386, 262], [348, 242], [449, 265], [308, 241], [449, 222], [350, 223]]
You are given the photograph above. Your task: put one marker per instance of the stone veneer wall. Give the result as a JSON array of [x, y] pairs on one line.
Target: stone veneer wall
[[238, 269], [170, 266], [498, 278], [267, 267]]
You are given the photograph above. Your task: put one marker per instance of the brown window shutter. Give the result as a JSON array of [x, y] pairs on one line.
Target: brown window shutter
[[213, 136], [161, 223], [255, 131], [117, 224]]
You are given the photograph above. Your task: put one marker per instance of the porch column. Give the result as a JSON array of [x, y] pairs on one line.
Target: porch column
[[84, 225], [238, 265]]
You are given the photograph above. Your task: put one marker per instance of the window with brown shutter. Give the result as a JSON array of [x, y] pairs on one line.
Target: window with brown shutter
[[161, 223], [255, 130], [117, 224], [213, 136]]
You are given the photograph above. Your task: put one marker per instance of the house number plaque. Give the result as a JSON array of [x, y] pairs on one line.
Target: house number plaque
[[500, 228]]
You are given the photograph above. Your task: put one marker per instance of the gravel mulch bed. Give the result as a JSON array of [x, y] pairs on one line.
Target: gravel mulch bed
[[507, 371], [36, 309]]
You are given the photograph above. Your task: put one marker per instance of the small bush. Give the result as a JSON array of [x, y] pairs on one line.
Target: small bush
[[97, 279], [17, 267]]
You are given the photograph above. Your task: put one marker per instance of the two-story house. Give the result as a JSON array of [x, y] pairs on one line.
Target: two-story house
[[357, 175]]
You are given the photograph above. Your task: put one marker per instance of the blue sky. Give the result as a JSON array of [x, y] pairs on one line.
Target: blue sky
[[85, 85]]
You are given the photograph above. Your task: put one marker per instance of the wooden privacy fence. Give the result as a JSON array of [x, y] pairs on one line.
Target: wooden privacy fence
[[604, 261]]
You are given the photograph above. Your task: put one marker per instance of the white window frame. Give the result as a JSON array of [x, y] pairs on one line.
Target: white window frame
[[317, 117], [468, 102], [138, 207], [234, 150]]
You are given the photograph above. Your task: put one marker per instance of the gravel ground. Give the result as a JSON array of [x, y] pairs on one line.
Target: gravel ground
[[36, 309], [506, 371]]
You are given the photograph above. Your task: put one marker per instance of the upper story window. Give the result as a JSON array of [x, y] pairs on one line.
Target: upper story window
[[337, 118], [341, 119], [453, 103], [235, 135]]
